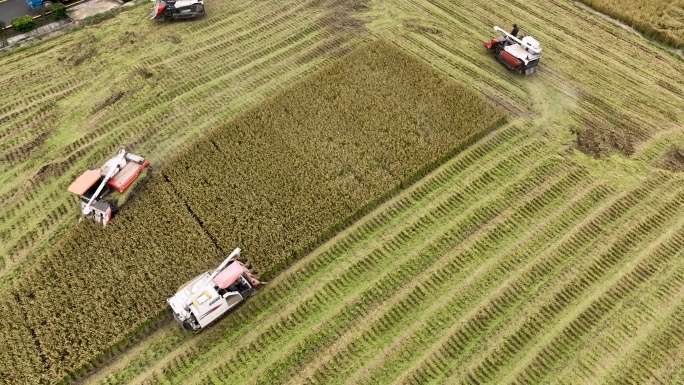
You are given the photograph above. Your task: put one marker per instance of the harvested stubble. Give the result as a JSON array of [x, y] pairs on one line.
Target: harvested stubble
[[508, 264], [660, 19], [153, 96], [275, 180]]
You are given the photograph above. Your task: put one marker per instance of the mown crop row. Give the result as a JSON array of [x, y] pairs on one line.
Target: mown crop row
[[507, 265], [198, 74], [202, 72], [274, 181], [660, 19]]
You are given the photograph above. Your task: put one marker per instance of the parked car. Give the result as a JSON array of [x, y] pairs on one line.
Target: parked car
[[37, 3]]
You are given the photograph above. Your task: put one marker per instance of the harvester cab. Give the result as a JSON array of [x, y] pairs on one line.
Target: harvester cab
[[177, 9], [101, 191], [520, 55], [212, 294]]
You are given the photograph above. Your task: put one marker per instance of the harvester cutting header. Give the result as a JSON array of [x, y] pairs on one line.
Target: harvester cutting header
[[520, 55], [102, 191]]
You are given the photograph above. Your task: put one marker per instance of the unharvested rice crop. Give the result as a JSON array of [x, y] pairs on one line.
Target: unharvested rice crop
[[96, 285], [119, 87], [660, 19], [275, 180]]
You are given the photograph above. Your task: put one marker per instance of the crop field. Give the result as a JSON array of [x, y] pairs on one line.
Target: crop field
[[447, 284], [661, 19], [549, 251], [275, 180], [74, 101], [301, 162]]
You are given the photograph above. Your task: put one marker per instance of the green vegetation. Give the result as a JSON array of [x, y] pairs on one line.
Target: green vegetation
[[446, 283], [58, 10], [289, 172], [24, 23], [53, 127]]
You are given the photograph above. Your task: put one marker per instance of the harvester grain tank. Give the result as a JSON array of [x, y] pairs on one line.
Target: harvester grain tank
[[177, 9], [520, 55], [212, 294], [103, 190]]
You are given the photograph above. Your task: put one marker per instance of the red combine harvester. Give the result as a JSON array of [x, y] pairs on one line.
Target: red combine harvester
[[103, 190], [520, 55]]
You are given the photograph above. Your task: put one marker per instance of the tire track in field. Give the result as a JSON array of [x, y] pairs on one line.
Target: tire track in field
[[636, 112], [503, 226], [551, 356], [254, 62], [484, 371], [587, 321], [619, 335], [271, 369], [665, 342], [410, 347], [451, 58]]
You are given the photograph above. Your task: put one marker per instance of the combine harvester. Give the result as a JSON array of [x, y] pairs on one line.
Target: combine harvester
[[212, 294], [520, 55], [103, 190], [177, 9]]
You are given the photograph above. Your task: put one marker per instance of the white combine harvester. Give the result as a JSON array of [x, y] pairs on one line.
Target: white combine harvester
[[520, 55], [101, 191], [212, 294], [177, 9]]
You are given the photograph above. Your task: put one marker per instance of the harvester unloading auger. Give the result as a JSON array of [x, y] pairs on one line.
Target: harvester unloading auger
[[210, 295], [520, 55], [103, 190]]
